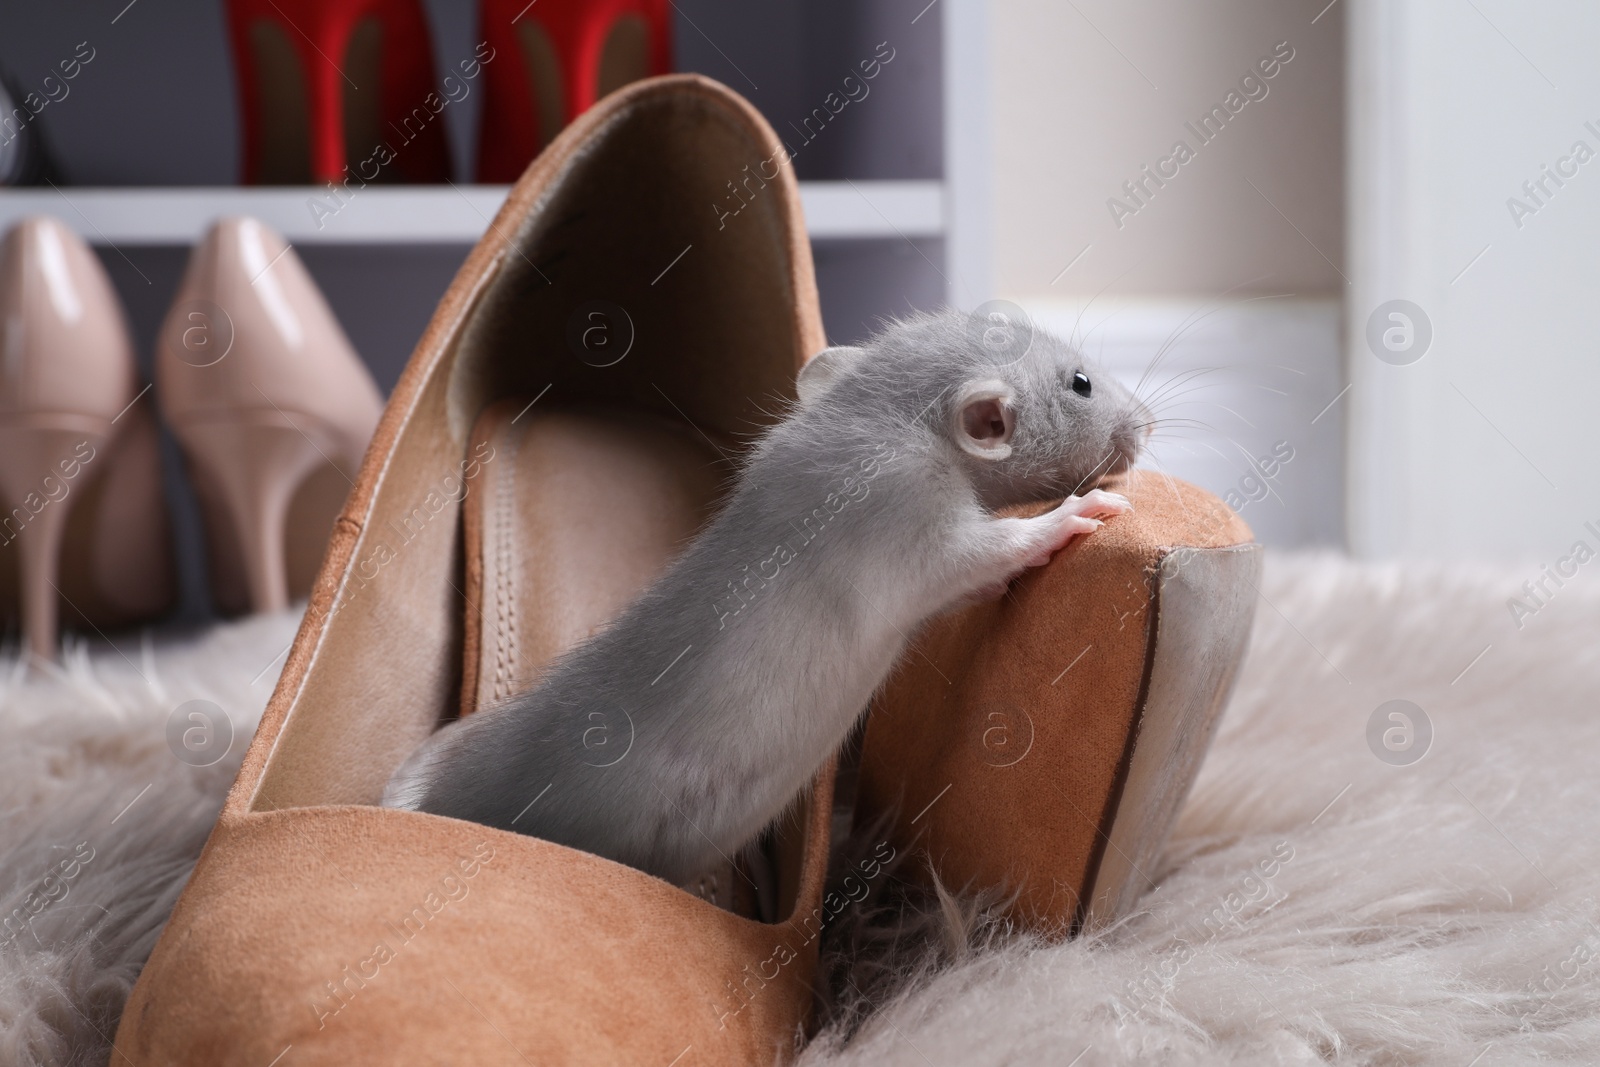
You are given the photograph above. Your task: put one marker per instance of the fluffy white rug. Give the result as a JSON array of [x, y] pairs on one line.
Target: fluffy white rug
[[101, 821], [1318, 904]]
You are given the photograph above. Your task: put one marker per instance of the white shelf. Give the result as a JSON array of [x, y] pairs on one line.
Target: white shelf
[[414, 214]]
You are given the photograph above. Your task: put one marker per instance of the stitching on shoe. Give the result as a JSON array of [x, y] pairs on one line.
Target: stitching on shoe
[[505, 636]]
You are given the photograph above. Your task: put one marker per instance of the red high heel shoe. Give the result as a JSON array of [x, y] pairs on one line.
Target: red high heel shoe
[[337, 89], [554, 60]]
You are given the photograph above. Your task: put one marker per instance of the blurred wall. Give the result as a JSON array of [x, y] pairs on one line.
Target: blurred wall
[[1475, 196], [1212, 274], [1087, 93]]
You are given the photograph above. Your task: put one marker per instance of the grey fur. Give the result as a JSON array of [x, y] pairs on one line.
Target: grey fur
[[676, 734]]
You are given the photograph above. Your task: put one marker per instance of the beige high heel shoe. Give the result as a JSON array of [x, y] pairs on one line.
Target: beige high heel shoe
[[272, 407], [82, 518]]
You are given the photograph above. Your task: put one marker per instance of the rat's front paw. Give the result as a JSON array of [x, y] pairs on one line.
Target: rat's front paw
[[1074, 517], [1056, 529], [1025, 543], [1096, 504]]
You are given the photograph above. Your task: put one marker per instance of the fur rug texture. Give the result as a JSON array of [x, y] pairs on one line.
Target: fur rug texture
[[1317, 904], [100, 822]]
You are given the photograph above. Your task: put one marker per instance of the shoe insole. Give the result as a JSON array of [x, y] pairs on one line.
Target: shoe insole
[[568, 518]]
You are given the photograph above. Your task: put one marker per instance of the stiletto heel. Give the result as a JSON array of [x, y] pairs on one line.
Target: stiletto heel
[[271, 406], [34, 461], [553, 61], [255, 469], [81, 515], [324, 83]]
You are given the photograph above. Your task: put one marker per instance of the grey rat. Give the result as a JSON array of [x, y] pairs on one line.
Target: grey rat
[[867, 510]]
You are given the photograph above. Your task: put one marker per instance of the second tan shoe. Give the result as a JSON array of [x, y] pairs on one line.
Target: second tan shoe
[[560, 429], [273, 409]]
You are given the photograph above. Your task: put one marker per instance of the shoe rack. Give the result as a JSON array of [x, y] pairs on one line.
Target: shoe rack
[[148, 138], [148, 142], [421, 215]]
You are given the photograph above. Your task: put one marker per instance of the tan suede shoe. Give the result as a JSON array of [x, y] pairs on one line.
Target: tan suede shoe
[[569, 401], [1042, 744]]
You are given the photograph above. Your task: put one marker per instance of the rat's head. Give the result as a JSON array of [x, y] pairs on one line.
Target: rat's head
[[1019, 408]]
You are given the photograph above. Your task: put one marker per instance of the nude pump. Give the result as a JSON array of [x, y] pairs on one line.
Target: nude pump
[[273, 409], [83, 529]]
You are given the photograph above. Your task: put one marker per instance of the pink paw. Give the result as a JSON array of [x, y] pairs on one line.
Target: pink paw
[[1074, 517], [1096, 504]]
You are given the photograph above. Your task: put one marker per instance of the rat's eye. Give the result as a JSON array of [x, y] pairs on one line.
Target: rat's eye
[[1080, 383]]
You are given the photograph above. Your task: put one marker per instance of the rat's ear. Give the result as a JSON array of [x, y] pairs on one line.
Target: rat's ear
[[985, 418], [823, 369]]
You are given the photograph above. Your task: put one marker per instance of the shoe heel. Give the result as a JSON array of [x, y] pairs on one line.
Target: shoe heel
[[254, 470], [39, 466], [569, 53], [321, 83]]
